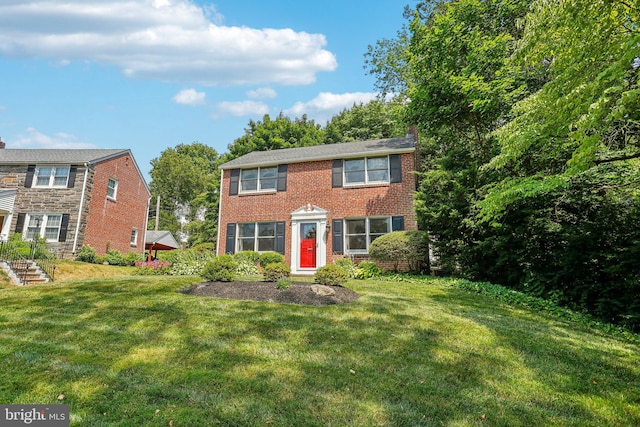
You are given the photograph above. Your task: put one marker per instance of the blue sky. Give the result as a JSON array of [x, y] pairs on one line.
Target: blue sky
[[152, 74]]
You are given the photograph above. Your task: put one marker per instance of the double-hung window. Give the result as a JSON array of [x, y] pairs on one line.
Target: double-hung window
[[258, 179], [112, 188], [134, 237], [360, 232], [51, 176], [44, 225], [257, 236], [369, 170]]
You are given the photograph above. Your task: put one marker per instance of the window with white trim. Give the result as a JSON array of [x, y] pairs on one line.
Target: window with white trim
[[51, 176], [257, 236], [43, 225], [134, 237], [258, 179], [360, 232], [368, 170], [112, 188]]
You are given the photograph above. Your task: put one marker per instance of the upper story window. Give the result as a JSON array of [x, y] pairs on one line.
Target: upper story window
[[112, 188], [44, 225], [366, 170], [360, 232], [51, 176], [258, 179]]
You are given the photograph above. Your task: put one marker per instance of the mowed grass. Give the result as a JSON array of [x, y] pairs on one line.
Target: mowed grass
[[131, 351]]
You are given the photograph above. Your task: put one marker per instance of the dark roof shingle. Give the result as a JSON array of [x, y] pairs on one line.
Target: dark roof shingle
[[323, 152], [52, 156]]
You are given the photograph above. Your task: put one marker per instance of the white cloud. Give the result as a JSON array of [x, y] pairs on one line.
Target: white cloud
[[169, 40], [241, 108], [262, 93], [35, 139], [326, 105], [189, 97]]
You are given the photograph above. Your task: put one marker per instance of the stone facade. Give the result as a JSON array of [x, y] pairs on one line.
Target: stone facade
[[100, 222]]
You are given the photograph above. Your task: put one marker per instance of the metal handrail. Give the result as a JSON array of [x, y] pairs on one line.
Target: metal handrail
[[43, 258], [16, 262]]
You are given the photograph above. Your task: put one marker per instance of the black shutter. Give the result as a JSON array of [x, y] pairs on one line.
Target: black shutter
[[72, 178], [31, 169], [395, 166], [231, 238], [336, 173], [338, 240], [234, 181], [64, 226], [282, 177], [20, 222], [397, 223], [280, 226]]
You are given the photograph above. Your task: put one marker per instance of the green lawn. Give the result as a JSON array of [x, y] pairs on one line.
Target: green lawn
[[131, 351]]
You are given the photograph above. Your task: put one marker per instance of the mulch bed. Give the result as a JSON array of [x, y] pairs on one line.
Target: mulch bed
[[297, 293]]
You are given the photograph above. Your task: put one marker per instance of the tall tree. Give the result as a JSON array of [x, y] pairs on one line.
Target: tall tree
[[373, 120], [184, 177], [461, 91], [272, 134]]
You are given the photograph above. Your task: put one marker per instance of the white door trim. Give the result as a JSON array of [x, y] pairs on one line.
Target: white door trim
[[307, 214]]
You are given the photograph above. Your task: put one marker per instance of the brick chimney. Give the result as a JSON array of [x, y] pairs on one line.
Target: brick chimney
[[2, 144]]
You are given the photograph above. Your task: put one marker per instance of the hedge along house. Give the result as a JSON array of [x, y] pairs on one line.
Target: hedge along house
[[316, 204], [95, 197]]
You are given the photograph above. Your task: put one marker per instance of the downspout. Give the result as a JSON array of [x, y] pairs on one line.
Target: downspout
[[84, 188], [146, 224], [219, 211]]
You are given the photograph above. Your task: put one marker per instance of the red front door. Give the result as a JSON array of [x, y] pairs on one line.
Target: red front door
[[308, 245]]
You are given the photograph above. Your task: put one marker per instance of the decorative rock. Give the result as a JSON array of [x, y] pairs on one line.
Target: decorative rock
[[323, 291]]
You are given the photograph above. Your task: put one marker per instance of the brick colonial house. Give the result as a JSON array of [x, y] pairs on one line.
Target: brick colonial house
[[316, 204], [95, 197]]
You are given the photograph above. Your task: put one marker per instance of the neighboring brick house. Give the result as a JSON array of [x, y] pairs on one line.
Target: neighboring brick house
[[95, 197], [316, 204]]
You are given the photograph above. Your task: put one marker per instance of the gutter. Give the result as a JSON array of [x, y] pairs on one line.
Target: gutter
[[84, 189]]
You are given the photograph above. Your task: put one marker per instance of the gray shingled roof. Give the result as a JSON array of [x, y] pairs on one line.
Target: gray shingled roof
[[44, 156], [323, 152]]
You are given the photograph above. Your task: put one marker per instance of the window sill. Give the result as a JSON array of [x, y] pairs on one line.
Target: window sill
[[111, 199], [257, 193], [367, 185]]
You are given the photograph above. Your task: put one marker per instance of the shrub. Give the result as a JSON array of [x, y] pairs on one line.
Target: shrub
[[276, 271], [220, 269], [283, 284], [331, 275], [402, 246], [270, 258], [207, 246], [188, 262], [247, 263], [152, 268], [114, 257], [131, 258], [87, 254], [367, 270], [348, 266]]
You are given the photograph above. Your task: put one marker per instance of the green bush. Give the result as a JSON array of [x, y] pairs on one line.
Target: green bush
[[188, 262], [283, 284], [270, 258], [247, 263], [87, 254], [115, 257], [367, 270], [130, 258], [411, 247], [207, 246], [331, 275], [220, 269], [348, 266], [276, 271]]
